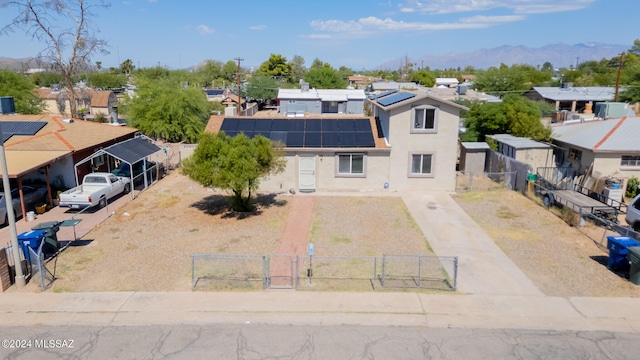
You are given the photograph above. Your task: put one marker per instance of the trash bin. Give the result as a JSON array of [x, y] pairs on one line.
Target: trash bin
[[618, 246], [50, 228], [30, 239], [634, 259]]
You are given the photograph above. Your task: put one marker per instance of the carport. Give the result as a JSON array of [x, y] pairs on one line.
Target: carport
[[130, 152]]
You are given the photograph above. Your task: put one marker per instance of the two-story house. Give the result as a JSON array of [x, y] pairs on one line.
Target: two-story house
[[298, 102]]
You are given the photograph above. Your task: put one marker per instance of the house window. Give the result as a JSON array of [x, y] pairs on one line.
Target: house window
[[575, 154], [630, 161], [425, 119], [350, 165], [421, 165]]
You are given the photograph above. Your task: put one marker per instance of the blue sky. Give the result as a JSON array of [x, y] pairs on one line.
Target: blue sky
[[360, 34]]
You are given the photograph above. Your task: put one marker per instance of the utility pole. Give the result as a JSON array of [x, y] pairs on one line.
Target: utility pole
[[239, 91], [577, 62], [618, 79]]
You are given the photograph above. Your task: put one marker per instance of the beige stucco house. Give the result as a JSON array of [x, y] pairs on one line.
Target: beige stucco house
[[356, 153], [603, 148], [96, 102], [533, 153]]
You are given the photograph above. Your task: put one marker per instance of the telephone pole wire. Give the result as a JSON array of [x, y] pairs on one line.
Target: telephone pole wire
[[618, 79]]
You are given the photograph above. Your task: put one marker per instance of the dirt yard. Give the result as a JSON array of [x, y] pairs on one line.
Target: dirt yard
[[146, 245], [560, 259]]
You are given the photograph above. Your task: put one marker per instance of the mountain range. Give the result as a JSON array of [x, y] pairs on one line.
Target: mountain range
[[559, 55]]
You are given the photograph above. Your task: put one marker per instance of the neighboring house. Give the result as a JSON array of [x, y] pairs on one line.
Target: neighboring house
[[231, 99], [533, 153], [422, 131], [215, 94], [298, 102], [601, 148], [461, 92], [58, 146], [382, 86], [574, 99], [446, 82], [361, 81], [56, 101]]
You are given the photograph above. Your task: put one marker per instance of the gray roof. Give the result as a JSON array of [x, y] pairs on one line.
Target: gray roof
[[392, 85], [419, 96], [322, 94], [590, 93], [475, 145], [519, 142], [612, 135]]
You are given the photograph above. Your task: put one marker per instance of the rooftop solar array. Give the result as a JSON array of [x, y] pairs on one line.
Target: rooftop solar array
[[395, 98], [308, 133], [377, 96], [28, 128]]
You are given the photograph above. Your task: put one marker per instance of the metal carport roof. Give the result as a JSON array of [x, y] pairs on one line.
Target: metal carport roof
[[132, 150]]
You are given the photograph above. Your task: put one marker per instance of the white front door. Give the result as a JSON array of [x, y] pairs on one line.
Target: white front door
[[307, 178]]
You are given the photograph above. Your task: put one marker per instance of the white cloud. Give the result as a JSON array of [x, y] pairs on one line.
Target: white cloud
[[257, 27], [517, 6], [479, 19], [152, 1], [336, 25], [204, 30], [374, 24]]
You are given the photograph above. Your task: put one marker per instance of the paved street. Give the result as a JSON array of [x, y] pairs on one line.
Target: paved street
[[259, 341]]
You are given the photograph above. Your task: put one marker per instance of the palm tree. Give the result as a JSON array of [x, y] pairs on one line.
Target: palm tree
[[127, 66]]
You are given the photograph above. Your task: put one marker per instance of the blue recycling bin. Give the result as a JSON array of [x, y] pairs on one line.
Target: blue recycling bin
[[617, 246], [31, 239]]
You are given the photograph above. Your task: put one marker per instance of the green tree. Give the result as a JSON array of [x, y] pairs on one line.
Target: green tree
[[229, 71], [127, 67], [66, 28], [515, 115], [234, 163], [276, 66], [22, 90], [635, 49], [423, 77], [46, 79], [103, 80], [168, 110], [325, 77], [297, 69], [211, 74], [262, 87]]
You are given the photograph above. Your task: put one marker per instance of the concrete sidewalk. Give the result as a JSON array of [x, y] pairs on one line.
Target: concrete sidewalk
[[321, 308], [483, 268]]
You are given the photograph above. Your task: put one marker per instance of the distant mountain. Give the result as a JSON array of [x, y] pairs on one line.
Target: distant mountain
[[17, 64], [559, 55]]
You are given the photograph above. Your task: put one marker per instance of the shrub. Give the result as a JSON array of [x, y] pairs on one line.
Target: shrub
[[632, 187]]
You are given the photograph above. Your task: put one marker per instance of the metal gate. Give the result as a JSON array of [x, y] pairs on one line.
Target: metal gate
[[280, 272]]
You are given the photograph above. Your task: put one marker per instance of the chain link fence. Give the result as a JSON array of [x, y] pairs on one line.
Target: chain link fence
[[335, 273], [485, 181]]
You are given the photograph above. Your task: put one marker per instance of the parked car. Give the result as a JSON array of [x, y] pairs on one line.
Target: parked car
[[96, 189], [32, 197], [633, 214]]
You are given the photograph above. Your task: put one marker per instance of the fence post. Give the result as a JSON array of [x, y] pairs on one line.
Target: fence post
[[375, 271], [382, 279], [455, 273], [192, 271], [297, 272], [264, 272]]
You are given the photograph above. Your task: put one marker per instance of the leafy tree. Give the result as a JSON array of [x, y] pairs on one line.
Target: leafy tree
[[325, 77], [547, 67], [99, 65], [262, 87], [210, 73], [107, 81], [46, 79], [516, 78], [423, 77], [345, 72], [635, 49], [317, 63], [66, 28], [631, 92], [168, 110], [515, 115], [276, 66], [234, 163], [23, 91], [229, 71], [127, 67], [297, 68]]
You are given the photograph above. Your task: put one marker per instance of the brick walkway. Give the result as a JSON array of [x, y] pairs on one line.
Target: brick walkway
[[294, 240]]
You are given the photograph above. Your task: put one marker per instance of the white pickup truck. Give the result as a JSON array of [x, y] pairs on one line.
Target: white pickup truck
[[633, 214], [96, 189]]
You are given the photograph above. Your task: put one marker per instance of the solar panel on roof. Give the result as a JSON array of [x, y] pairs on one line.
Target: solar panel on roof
[[296, 125], [22, 127], [231, 133], [312, 139], [295, 139], [330, 125], [266, 134], [279, 125], [362, 125], [229, 125], [348, 139], [395, 98], [313, 125], [246, 124], [346, 125], [280, 136], [377, 96], [330, 139], [364, 139], [262, 125], [249, 134]]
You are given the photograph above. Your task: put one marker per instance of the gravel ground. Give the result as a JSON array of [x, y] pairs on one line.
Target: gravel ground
[[146, 245], [560, 259]]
